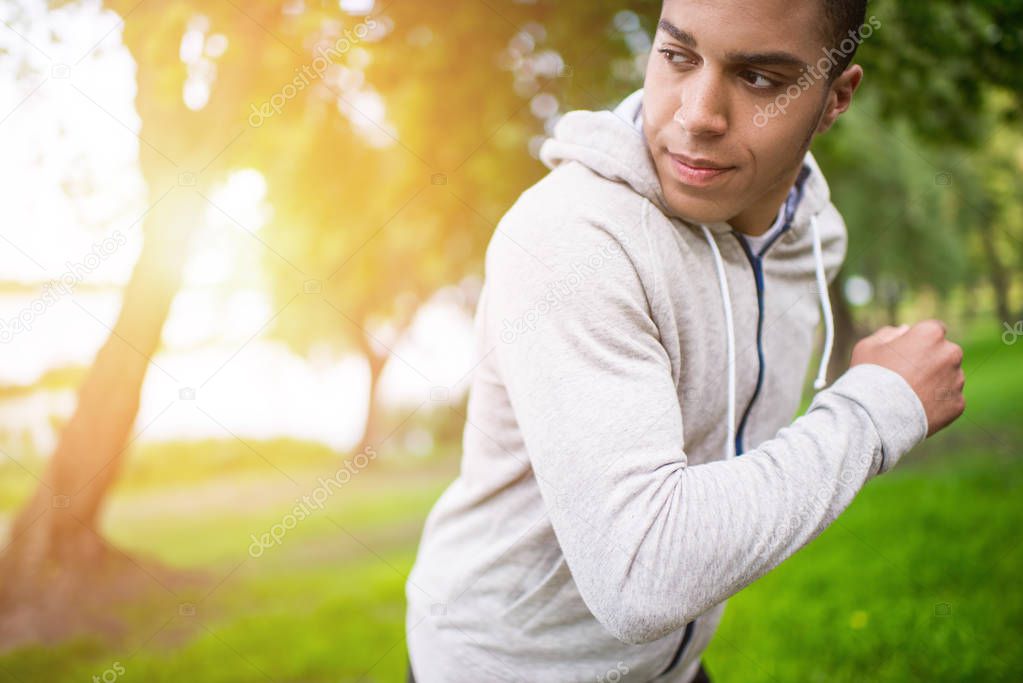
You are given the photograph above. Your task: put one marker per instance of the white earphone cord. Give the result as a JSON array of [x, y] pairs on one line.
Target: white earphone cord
[[829, 319], [726, 302]]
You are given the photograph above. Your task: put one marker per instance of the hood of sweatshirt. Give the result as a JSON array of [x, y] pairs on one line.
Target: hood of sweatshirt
[[611, 143]]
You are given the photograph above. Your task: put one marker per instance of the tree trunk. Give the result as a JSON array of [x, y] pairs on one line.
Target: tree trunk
[[969, 311], [55, 541], [371, 433], [996, 272], [891, 308]]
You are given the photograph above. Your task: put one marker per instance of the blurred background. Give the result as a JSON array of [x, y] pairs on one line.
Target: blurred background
[[241, 246]]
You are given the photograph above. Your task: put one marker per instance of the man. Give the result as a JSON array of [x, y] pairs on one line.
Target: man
[[645, 328]]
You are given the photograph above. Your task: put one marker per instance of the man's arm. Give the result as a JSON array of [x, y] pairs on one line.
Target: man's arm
[[651, 542]]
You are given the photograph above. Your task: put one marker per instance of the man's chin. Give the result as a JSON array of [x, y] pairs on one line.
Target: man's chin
[[698, 210]]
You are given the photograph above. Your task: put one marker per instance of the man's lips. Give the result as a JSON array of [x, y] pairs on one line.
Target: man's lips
[[697, 172], [699, 163]]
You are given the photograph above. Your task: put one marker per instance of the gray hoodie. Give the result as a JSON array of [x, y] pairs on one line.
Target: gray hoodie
[[630, 458]]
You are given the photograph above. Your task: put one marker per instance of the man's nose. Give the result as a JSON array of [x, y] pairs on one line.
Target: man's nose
[[703, 106]]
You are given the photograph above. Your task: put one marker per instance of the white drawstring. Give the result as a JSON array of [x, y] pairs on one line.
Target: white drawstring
[[726, 302], [822, 292]]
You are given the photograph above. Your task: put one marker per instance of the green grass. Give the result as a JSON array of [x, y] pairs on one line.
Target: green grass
[[286, 623], [916, 581], [327, 604]]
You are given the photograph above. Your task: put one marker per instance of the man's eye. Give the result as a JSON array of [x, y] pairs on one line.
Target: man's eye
[[673, 57], [760, 81]]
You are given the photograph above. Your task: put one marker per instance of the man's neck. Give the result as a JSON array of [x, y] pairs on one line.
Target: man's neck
[[759, 217]]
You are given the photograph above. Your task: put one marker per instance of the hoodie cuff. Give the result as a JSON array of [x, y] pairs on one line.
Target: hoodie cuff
[[893, 406]]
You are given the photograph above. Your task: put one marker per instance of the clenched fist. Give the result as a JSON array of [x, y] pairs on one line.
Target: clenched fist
[[930, 363]]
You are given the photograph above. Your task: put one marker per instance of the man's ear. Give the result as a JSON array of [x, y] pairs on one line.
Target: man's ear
[[840, 96]]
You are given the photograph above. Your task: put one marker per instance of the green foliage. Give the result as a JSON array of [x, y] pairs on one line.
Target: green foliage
[[898, 202], [937, 64]]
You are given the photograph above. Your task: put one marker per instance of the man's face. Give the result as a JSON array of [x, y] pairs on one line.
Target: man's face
[[709, 97]]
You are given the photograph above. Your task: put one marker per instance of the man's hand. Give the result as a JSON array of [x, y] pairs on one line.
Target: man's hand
[[929, 362]]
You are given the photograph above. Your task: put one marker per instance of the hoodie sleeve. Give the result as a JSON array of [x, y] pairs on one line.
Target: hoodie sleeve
[[651, 542]]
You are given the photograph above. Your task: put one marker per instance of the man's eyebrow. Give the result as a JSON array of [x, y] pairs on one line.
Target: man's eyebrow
[[775, 58], [684, 37], [767, 59]]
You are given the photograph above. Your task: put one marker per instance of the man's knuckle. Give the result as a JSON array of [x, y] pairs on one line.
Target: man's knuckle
[[933, 328]]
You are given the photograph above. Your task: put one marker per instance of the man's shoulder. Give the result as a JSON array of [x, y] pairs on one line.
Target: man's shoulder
[[569, 214], [571, 250]]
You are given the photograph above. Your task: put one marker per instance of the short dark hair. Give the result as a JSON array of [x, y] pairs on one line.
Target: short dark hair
[[842, 20]]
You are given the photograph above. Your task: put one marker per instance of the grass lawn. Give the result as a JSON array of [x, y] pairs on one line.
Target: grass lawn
[[916, 581]]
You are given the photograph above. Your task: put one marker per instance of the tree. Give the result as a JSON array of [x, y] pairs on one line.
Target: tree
[[328, 237]]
